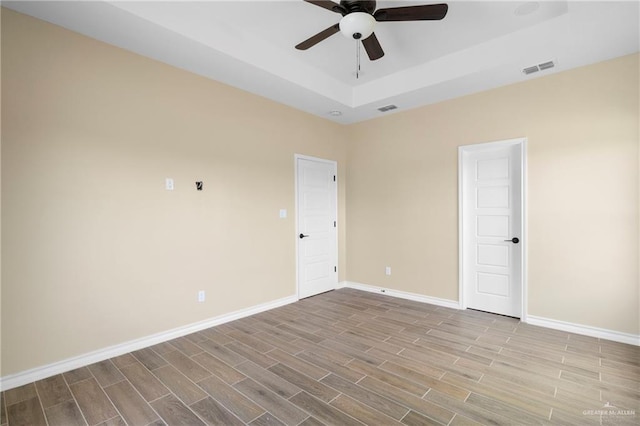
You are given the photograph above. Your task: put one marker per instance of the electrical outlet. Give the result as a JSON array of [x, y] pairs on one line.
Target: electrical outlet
[[201, 296], [168, 184], [387, 270]]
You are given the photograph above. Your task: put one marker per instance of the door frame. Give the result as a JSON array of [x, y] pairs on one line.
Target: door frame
[[297, 157], [462, 150]]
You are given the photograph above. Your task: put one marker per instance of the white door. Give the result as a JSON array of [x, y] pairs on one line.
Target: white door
[[492, 227], [316, 209]]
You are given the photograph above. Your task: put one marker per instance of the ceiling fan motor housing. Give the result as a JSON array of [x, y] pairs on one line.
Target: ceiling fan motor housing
[[368, 6]]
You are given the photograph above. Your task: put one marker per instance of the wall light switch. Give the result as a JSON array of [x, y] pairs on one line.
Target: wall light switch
[[201, 296], [168, 184], [387, 270], [283, 213]]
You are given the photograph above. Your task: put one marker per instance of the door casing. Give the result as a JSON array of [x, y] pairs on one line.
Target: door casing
[[523, 200]]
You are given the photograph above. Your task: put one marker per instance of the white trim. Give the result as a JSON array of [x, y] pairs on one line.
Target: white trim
[[525, 233], [523, 216], [453, 304], [586, 330], [14, 380], [461, 302], [602, 333], [334, 163]]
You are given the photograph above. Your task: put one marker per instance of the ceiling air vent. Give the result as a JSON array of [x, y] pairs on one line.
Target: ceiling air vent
[[540, 67], [387, 108], [546, 65]]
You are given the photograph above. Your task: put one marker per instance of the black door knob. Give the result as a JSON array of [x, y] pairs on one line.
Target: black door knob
[[514, 240], [302, 236]]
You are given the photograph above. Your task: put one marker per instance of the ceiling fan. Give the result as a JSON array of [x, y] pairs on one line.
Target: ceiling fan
[[360, 16]]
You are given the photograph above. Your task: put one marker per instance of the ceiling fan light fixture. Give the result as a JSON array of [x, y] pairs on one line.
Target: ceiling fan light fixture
[[357, 25]]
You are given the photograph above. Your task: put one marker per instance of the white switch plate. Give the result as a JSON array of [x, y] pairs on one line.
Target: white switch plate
[[283, 213], [387, 270], [201, 296], [168, 184]]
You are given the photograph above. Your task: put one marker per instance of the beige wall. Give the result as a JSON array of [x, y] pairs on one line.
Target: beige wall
[[95, 251], [583, 184]]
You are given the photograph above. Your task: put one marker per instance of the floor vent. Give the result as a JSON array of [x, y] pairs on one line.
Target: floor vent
[[540, 67], [387, 108]]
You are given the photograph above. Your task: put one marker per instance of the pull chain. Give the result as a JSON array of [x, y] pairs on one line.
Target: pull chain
[[357, 58]]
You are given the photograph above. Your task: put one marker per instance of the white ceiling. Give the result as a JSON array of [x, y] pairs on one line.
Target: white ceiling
[[250, 44]]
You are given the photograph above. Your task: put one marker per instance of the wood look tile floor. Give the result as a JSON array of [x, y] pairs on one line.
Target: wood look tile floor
[[349, 358]]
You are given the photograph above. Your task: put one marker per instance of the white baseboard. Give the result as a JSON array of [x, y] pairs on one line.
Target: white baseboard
[[39, 373], [616, 336], [586, 330], [401, 294]]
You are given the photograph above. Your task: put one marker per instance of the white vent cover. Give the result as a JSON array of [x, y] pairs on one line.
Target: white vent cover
[[387, 108], [540, 67]]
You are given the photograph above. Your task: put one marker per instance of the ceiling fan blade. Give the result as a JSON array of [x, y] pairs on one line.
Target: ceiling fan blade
[[313, 40], [373, 48], [329, 5], [427, 12]]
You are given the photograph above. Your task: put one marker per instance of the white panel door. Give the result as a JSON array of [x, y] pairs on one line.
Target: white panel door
[[492, 228], [317, 226]]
